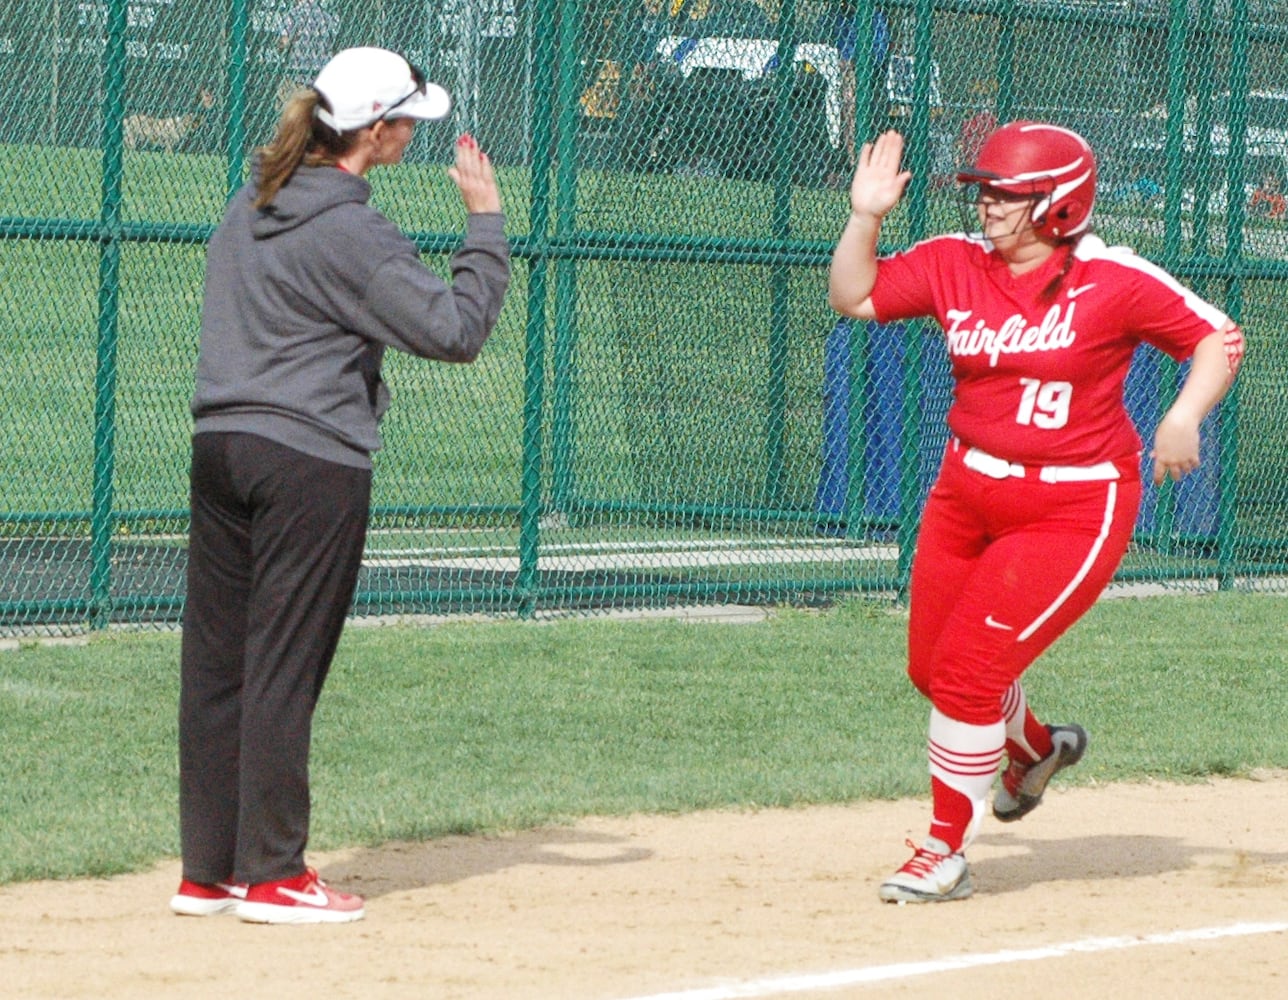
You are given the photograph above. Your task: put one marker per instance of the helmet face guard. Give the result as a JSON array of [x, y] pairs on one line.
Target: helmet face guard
[[1052, 166], [974, 192]]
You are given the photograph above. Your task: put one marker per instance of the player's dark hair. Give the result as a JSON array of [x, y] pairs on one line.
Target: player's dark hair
[[301, 139], [1052, 288]]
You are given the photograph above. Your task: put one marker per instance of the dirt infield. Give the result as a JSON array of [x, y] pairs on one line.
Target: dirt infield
[[1126, 890]]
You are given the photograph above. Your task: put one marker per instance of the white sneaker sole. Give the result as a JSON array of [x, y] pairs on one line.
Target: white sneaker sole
[[271, 913], [190, 906], [896, 892]]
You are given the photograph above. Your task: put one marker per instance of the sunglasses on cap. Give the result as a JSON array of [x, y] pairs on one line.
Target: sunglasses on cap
[[418, 80]]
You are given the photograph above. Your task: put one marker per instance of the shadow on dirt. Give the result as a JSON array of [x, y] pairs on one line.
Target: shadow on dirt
[[1101, 858], [402, 867]]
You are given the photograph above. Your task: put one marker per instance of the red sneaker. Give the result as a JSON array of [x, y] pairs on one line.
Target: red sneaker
[[302, 899], [205, 899]]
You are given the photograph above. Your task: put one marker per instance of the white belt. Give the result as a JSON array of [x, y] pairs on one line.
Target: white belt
[[999, 468]]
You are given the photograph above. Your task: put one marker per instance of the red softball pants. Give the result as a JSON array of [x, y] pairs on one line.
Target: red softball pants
[[1003, 567]]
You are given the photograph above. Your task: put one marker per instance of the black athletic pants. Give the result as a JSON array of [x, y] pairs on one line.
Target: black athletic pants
[[273, 556]]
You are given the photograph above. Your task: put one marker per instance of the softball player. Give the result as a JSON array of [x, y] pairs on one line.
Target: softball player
[[1040, 484]]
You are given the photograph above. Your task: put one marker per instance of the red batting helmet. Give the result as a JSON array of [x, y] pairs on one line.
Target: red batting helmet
[[1053, 164]]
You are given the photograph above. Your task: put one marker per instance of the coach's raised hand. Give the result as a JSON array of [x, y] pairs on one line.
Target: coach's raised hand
[[472, 173]]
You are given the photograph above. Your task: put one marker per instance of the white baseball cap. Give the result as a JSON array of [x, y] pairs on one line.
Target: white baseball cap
[[364, 85]]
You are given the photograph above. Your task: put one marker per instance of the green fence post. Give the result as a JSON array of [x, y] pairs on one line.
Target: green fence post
[[1204, 158], [238, 72], [856, 431], [780, 228], [562, 426], [1228, 439], [543, 61], [866, 74], [865, 69], [919, 156], [1173, 143], [1006, 68], [912, 429], [103, 500], [1173, 193]]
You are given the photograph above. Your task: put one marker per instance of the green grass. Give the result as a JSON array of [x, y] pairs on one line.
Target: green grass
[[473, 727]]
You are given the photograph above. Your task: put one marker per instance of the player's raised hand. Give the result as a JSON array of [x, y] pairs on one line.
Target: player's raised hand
[[472, 173], [878, 182]]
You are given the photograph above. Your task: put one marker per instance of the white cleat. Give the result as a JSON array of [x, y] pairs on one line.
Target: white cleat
[[934, 874]]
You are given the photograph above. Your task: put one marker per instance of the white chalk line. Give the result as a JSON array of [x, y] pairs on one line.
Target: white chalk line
[[779, 985]]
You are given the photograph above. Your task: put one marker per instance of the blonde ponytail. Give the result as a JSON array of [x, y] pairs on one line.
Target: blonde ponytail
[[300, 139]]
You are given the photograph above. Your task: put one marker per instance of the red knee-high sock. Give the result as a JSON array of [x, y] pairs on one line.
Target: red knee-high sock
[[1027, 739], [954, 813]]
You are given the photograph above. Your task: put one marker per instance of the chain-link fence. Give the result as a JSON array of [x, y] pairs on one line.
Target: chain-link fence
[[668, 411]]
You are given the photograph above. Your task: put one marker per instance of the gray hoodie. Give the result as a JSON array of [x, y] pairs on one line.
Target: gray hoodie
[[303, 297]]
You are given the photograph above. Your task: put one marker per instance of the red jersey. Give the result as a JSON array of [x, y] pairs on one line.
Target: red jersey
[[1039, 380]]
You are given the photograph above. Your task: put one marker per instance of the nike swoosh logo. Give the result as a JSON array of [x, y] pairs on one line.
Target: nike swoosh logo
[[1075, 292], [992, 622], [315, 897]]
